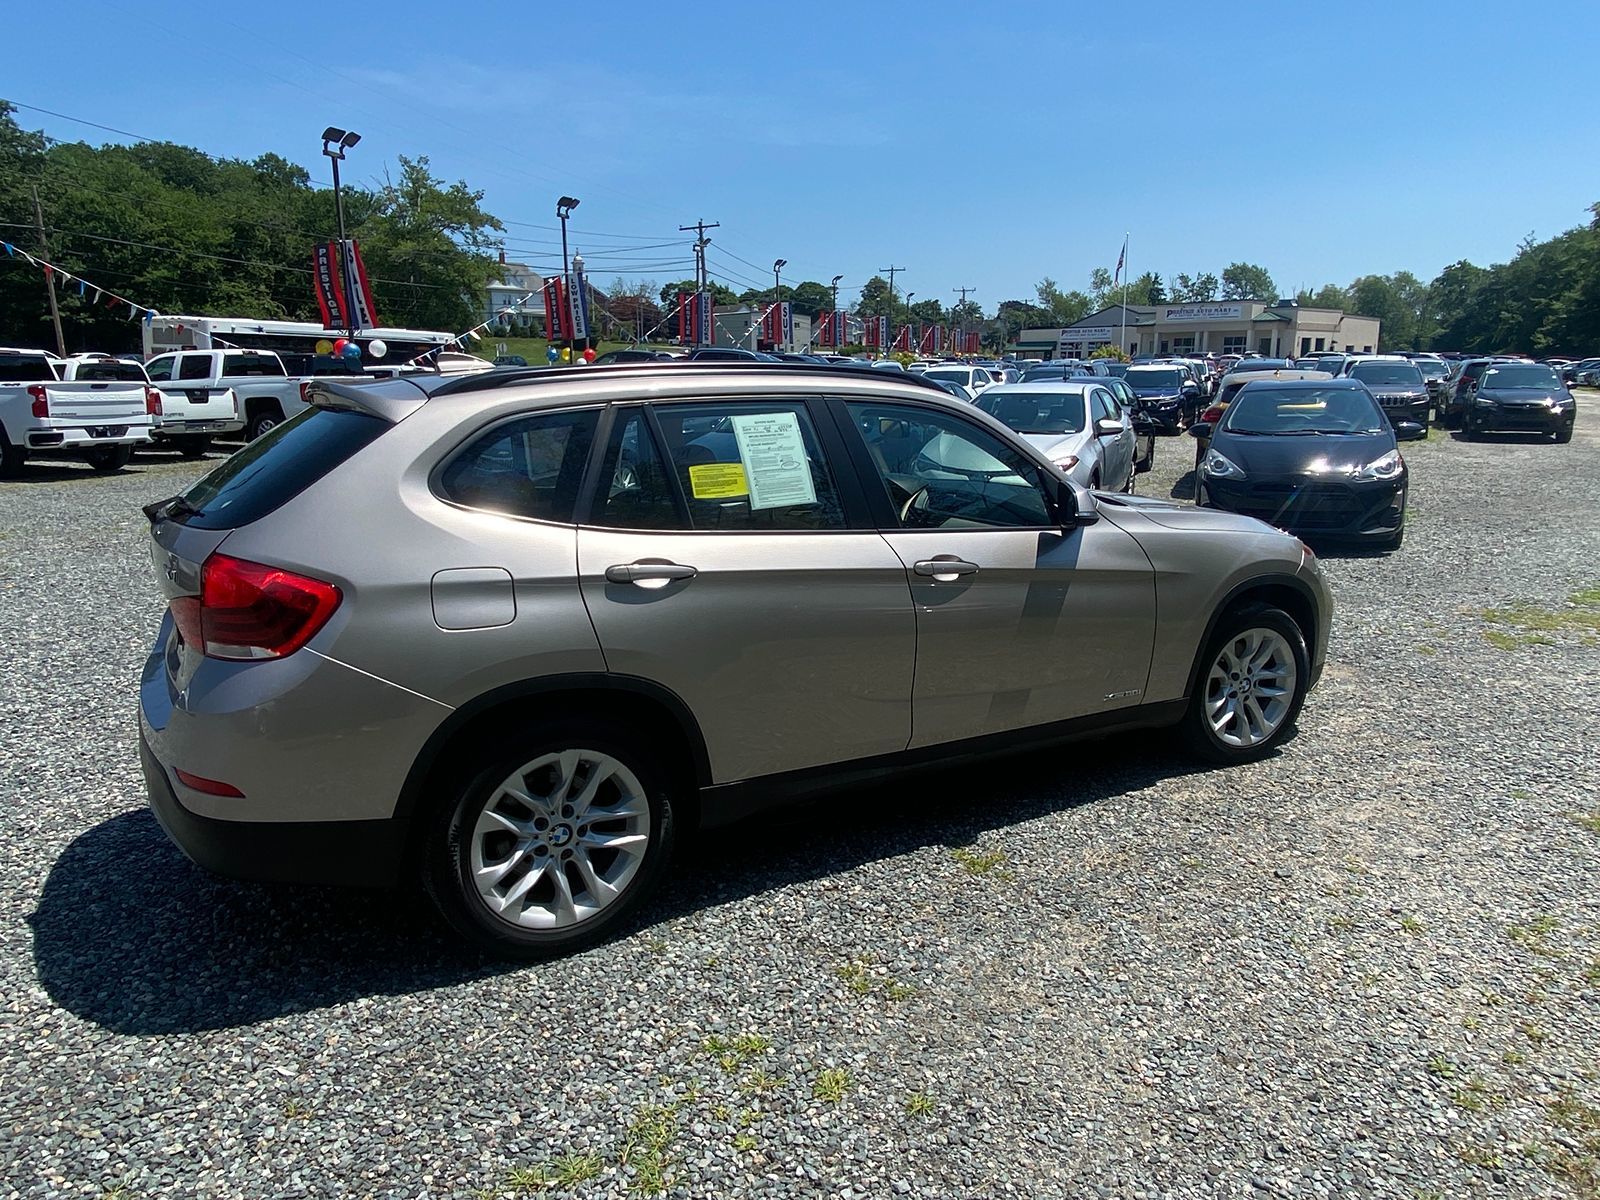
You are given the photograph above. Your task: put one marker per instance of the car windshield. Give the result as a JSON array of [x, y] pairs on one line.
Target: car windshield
[[1519, 377], [1433, 370], [1036, 412], [1386, 373], [954, 376], [1303, 410], [1154, 377]]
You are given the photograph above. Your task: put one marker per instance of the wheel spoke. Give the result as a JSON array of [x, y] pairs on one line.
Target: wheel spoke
[[630, 843], [509, 824], [567, 770], [564, 910], [534, 804], [524, 885], [603, 891], [603, 770], [490, 874]]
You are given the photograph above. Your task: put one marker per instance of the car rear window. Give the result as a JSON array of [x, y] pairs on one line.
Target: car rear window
[[251, 364], [277, 467], [25, 368], [1386, 374], [110, 371]]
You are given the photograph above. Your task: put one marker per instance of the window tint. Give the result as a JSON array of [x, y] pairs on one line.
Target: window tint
[[275, 468], [1104, 407], [25, 368], [755, 466], [160, 369], [942, 473], [251, 364], [636, 490], [194, 366], [1520, 377], [524, 468]]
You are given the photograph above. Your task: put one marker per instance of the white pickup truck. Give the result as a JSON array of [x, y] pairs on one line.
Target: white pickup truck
[[101, 420], [187, 423], [207, 392]]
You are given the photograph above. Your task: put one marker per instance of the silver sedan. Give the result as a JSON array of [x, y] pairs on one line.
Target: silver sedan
[[1076, 423]]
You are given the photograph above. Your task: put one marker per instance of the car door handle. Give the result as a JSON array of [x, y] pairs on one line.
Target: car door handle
[[945, 568], [647, 573]]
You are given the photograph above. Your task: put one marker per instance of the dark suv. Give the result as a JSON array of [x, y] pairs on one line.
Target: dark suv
[[1398, 386]]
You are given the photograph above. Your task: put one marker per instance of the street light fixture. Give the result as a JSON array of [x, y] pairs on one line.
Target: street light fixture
[[564, 207], [335, 142], [777, 293]]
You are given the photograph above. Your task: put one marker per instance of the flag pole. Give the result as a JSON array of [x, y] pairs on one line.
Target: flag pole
[[1125, 273]]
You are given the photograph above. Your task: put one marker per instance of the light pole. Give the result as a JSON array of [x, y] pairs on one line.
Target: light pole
[[910, 333], [564, 207], [334, 143], [777, 297], [838, 334]]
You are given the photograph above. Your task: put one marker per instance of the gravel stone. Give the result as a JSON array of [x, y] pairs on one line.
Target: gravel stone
[[1368, 966]]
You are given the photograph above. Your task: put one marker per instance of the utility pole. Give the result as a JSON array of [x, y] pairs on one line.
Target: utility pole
[[701, 279], [891, 272], [49, 274], [961, 327]]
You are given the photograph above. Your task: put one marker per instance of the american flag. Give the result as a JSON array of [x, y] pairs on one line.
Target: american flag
[[1122, 261]]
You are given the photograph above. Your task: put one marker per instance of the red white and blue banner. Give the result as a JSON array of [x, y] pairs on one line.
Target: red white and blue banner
[[902, 339], [330, 294], [363, 309], [694, 318], [578, 299], [344, 294], [556, 312]]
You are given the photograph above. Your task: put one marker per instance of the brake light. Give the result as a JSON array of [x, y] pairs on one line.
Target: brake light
[[152, 402], [249, 611], [1212, 415], [305, 391], [41, 402]]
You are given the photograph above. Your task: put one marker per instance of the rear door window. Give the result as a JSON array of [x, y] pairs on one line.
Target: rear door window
[[160, 369], [252, 364], [753, 466], [275, 468], [194, 366], [529, 467]]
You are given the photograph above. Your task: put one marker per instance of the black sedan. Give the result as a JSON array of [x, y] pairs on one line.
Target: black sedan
[[1523, 398], [1316, 457]]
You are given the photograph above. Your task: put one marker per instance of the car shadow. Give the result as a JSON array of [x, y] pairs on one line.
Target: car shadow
[[1183, 489], [131, 936], [65, 470]]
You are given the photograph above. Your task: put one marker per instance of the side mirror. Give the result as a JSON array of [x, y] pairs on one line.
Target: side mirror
[[1409, 430], [1075, 505], [1106, 427], [1200, 429]]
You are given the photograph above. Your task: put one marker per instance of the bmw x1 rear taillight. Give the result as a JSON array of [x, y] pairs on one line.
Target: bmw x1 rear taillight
[[247, 610]]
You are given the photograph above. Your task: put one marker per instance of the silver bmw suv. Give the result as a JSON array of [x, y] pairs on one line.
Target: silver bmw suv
[[512, 633]]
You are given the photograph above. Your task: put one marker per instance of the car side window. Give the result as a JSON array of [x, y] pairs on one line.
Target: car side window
[[940, 472], [530, 467], [752, 466], [160, 369], [194, 366], [635, 489], [1104, 408]]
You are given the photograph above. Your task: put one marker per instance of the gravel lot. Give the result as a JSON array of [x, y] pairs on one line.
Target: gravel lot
[[1369, 966]]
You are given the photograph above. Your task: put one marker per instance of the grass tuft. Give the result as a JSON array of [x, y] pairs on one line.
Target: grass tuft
[[919, 1104], [975, 862], [831, 1085]]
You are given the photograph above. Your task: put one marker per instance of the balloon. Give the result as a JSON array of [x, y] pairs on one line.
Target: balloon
[[588, 355], [552, 355], [350, 351], [566, 354], [377, 348], [339, 344], [324, 346]]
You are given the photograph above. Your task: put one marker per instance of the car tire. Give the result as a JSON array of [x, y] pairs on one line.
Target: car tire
[[1227, 723], [573, 873], [107, 460], [192, 445], [262, 423], [11, 457]]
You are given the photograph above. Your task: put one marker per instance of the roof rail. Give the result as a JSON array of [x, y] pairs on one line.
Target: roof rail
[[482, 381]]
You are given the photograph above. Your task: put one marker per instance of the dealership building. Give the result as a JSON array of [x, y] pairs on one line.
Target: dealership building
[[1279, 330]]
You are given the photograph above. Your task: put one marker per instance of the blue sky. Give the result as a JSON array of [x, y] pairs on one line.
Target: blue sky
[[973, 144]]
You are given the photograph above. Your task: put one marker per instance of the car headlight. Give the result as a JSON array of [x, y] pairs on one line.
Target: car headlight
[[1482, 403], [1220, 466], [1560, 401], [1066, 462], [1386, 467]]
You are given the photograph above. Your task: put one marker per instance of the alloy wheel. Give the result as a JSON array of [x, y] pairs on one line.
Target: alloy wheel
[[559, 840], [1250, 687]]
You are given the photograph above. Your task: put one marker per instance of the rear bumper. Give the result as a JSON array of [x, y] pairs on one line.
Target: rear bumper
[[354, 853], [82, 437], [179, 426]]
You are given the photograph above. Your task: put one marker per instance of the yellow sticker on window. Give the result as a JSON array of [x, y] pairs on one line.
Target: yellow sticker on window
[[717, 481]]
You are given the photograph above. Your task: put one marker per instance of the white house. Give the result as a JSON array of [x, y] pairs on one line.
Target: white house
[[518, 288]]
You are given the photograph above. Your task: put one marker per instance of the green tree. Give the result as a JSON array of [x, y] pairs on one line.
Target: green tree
[[720, 293], [1329, 295], [876, 299], [1197, 289], [810, 297], [1155, 291], [1061, 308], [1246, 281]]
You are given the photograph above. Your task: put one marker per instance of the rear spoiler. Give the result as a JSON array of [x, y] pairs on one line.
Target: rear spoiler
[[391, 400]]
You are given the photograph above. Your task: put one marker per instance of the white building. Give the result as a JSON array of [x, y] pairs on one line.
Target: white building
[[518, 288]]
